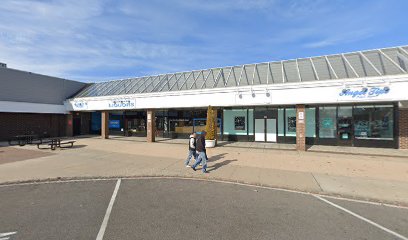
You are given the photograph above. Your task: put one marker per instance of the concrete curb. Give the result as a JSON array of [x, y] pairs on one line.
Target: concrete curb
[[211, 179], [359, 154]]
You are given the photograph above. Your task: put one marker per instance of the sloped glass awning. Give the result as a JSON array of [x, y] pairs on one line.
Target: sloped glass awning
[[378, 62]]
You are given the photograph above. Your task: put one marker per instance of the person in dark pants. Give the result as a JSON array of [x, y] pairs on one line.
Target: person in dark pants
[[191, 149], [202, 156]]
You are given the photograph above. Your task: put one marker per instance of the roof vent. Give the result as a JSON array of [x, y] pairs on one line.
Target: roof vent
[[3, 65]]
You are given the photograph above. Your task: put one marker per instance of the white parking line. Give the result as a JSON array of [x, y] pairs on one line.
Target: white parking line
[[362, 218], [6, 236], [362, 201], [108, 211]]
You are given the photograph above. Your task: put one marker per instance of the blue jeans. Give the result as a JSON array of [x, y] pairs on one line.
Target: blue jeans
[[191, 153], [201, 157]]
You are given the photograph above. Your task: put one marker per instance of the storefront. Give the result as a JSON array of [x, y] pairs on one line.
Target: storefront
[[262, 124], [360, 125], [354, 99], [121, 123]]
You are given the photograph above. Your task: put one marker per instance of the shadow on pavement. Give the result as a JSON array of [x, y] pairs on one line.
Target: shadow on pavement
[[221, 144], [216, 157], [220, 164], [79, 146]]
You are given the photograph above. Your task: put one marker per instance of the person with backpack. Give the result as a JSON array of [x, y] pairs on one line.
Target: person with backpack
[[191, 149], [202, 155]]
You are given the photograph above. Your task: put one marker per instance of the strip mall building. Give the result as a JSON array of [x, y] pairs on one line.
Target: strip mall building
[[351, 99]]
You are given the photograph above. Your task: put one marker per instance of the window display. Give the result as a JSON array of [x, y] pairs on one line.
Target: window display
[[290, 122], [239, 123], [327, 122], [374, 122], [310, 122]]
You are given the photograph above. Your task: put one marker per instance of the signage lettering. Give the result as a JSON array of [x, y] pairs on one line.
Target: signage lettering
[[371, 92], [81, 105], [122, 104]]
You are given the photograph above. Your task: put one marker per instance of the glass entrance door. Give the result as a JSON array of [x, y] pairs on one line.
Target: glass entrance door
[[265, 130], [345, 126], [271, 135], [260, 130]]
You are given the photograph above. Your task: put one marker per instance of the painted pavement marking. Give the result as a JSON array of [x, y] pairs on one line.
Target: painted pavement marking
[[6, 235], [362, 218], [108, 211], [209, 180]]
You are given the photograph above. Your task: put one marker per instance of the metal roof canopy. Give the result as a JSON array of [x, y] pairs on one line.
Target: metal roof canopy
[[370, 63]]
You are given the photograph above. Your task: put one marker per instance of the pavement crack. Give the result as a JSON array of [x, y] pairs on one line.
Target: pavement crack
[[318, 184]]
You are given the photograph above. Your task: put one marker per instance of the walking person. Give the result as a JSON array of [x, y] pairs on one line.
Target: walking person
[[202, 156], [191, 149]]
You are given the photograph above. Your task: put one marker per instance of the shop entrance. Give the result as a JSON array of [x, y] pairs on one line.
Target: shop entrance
[[345, 131], [265, 130], [77, 126], [345, 126]]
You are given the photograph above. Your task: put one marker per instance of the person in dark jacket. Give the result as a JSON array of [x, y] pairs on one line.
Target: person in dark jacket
[[202, 156], [191, 149]]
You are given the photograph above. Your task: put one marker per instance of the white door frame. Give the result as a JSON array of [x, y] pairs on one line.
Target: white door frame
[[271, 133], [259, 130], [264, 133]]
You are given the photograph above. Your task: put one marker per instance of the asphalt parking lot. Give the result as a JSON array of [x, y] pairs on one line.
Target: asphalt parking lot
[[162, 208]]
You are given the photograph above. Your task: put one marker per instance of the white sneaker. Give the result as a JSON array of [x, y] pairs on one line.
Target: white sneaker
[[188, 166]]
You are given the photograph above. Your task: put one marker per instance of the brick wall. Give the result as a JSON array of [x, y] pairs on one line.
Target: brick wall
[[12, 124], [84, 120], [403, 128], [151, 126], [300, 128]]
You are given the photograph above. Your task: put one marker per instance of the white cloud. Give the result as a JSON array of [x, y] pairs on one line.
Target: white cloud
[[341, 38], [216, 5], [100, 39]]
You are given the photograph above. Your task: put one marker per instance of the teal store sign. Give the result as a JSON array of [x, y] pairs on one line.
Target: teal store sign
[[327, 123]]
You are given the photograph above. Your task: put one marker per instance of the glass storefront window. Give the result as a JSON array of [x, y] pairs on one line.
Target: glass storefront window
[[345, 111], [311, 122], [235, 121], [251, 121], [135, 123], [374, 122], [290, 122], [96, 122], [327, 122], [281, 122], [116, 123], [181, 123]]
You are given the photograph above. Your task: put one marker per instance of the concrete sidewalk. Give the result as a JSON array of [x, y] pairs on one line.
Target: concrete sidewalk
[[364, 177], [363, 151]]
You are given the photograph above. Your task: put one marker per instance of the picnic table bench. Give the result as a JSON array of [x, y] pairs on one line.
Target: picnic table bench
[[23, 139], [53, 143]]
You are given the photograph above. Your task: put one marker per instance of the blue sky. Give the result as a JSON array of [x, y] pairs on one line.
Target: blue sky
[[99, 40]]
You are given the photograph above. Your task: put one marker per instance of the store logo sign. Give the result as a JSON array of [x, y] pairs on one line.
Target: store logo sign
[[364, 93], [119, 104], [81, 105]]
